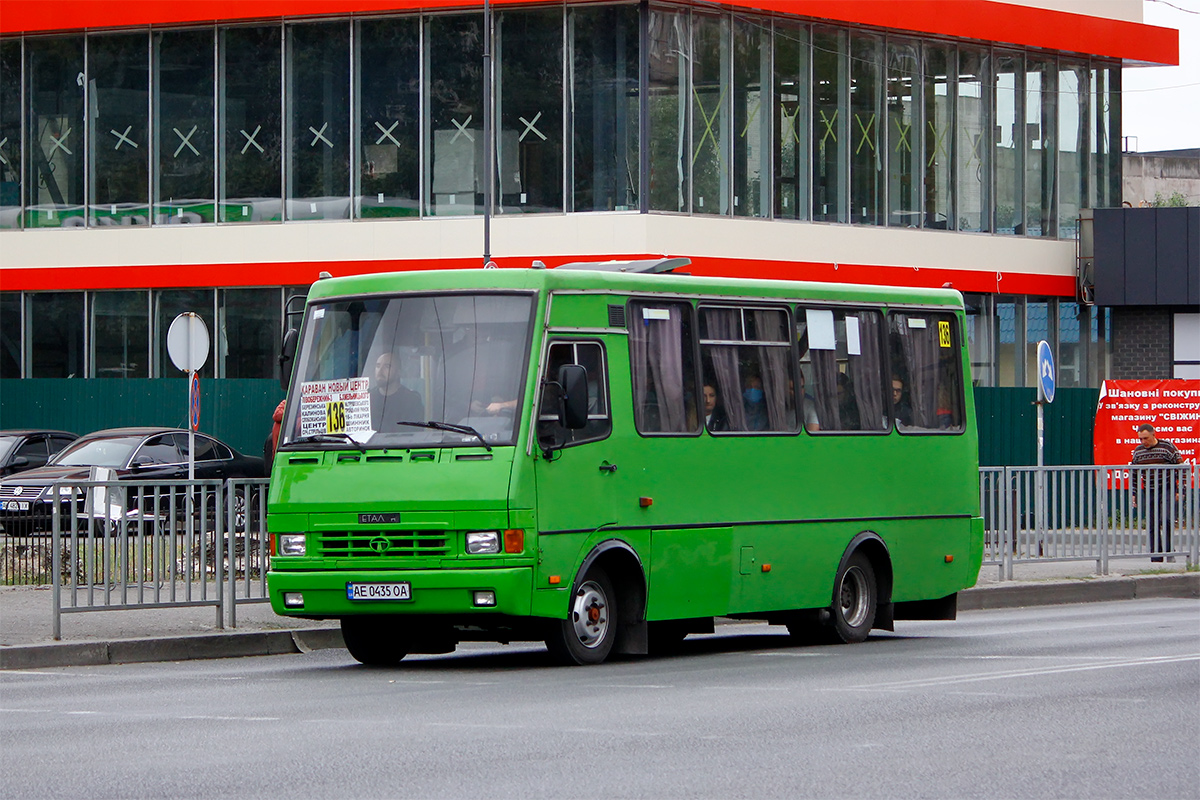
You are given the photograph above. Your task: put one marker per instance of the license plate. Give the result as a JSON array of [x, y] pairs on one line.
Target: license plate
[[16, 505], [379, 591]]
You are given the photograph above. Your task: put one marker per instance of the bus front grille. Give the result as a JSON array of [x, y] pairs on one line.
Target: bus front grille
[[388, 544]]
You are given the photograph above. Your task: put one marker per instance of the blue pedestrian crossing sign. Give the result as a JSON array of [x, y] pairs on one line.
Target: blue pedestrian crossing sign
[[1045, 372]]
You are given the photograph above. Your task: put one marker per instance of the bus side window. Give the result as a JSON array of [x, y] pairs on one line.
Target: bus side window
[[746, 363], [662, 367], [926, 372], [590, 356], [846, 357]]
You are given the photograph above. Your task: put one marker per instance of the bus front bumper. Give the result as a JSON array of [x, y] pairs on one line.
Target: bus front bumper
[[325, 594]]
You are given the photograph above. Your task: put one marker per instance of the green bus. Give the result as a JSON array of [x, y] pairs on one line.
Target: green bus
[[607, 456]]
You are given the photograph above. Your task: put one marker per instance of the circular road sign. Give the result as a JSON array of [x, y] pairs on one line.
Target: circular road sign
[[1045, 368], [187, 342], [194, 402]]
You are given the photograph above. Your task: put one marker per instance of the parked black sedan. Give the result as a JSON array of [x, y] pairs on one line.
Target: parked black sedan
[[26, 449], [123, 454]]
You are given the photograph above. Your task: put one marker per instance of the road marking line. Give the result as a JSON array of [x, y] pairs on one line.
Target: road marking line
[[1022, 673]]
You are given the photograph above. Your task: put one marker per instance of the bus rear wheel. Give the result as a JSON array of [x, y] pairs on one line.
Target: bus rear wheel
[[854, 601], [586, 636], [373, 642]]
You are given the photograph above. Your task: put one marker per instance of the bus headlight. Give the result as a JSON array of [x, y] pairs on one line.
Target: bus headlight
[[481, 542], [291, 544]]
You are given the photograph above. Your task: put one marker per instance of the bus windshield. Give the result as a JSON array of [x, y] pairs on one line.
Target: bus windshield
[[368, 366]]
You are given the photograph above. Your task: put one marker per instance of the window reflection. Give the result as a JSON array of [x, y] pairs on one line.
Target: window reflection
[[10, 334], [121, 335], [56, 342], [1041, 129], [252, 153], [1009, 143], [751, 118], [10, 133], [830, 124], [318, 185], [530, 142], [389, 55], [249, 334], [455, 109], [167, 306], [183, 178], [866, 114], [669, 158], [904, 135], [1072, 130], [604, 108], [118, 84], [939, 60], [54, 79], [971, 155], [1105, 124], [710, 115], [792, 121]]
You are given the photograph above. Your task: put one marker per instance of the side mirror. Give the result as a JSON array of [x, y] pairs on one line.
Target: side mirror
[[141, 461], [287, 355], [19, 461], [573, 413]]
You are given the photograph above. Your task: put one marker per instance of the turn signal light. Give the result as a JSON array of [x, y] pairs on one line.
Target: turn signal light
[[766, 567], [555, 580], [514, 540], [949, 559], [645, 502]]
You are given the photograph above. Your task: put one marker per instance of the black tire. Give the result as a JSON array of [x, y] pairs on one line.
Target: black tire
[[586, 636], [373, 642], [855, 597]]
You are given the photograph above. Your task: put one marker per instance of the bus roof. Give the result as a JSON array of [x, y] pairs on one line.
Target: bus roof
[[624, 283]]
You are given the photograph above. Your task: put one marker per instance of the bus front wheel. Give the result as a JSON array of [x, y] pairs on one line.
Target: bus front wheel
[[586, 636], [372, 642], [854, 601]]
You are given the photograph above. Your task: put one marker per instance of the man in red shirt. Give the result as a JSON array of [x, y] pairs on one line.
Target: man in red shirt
[[1155, 487]]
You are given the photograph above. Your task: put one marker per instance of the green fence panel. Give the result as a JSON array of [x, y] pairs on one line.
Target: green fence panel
[[1008, 426], [235, 410]]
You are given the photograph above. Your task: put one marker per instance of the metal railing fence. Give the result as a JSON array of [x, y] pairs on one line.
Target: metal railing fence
[[247, 553], [1083, 513]]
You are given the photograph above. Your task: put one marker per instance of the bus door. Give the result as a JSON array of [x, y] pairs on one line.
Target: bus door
[[578, 473]]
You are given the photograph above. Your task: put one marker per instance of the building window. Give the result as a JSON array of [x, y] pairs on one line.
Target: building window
[[669, 154], [318, 98], [184, 130], [10, 335], [1104, 115], [972, 148], [904, 134], [866, 124], [792, 121], [1041, 131], [981, 338], [56, 334], [710, 150], [604, 109], [751, 119], [389, 117], [251, 125], [1009, 142], [455, 112], [10, 133], [938, 132], [529, 141], [830, 124], [54, 188], [118, 124], [120, 337], [1040, 325], [248, 337]]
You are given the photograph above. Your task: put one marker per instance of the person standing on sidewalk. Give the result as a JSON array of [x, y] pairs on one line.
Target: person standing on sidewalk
[[1156, 487]]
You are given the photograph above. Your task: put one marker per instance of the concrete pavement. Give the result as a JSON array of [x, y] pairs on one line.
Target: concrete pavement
[[175, 634]]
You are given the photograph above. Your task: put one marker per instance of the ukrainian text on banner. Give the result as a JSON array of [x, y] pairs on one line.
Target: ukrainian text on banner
[[1171, 406]]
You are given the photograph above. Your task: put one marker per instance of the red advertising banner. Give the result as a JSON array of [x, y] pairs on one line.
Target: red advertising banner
[[1171, 406]]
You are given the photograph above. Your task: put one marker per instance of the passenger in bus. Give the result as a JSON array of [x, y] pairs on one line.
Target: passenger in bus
[[715, 418], [812, 423], [754, 400], [900, 405], [847, 404], [391, 400]]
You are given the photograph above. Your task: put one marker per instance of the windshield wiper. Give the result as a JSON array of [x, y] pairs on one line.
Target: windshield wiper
[[446, 426], [331, 437]]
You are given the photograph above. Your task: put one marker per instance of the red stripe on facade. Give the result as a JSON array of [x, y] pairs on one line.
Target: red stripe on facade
[[294, 273], [971, 19]]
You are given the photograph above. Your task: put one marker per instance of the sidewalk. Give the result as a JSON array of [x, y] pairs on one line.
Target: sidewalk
[[104, 637]]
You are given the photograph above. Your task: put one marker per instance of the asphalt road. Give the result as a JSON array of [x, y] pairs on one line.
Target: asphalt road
[[1096, 700]]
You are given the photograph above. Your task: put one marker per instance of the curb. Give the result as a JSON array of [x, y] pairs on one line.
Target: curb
[[1139, 587], [305, 640], [171, 648]]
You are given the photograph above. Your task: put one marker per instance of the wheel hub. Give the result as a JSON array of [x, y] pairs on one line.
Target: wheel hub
[[589, 614]]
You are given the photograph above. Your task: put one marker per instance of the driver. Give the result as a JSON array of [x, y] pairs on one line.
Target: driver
[[392, 401]]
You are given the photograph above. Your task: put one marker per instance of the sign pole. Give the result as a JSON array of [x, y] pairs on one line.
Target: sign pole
[[1045, 394]]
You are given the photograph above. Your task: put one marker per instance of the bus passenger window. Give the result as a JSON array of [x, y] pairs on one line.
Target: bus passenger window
[[665, 396], [746, 362], [844, 356], [590, 356], [926, 367]]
